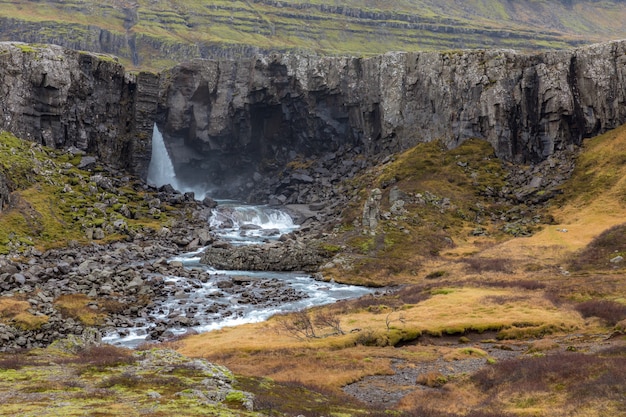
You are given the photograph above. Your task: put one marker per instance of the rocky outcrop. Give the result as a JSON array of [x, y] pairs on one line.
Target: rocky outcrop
[[64, 98], [278, 256]]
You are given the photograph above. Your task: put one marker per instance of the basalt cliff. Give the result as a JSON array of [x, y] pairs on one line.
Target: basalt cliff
[[248, 119]]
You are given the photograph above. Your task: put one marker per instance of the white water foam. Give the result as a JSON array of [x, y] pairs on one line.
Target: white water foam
[[242, 224]]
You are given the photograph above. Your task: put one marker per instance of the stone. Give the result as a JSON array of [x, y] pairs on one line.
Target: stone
[[209, 202], [371, 211], [19, 279]]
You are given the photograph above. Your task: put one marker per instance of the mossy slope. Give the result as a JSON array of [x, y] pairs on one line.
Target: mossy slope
[[53, 203]]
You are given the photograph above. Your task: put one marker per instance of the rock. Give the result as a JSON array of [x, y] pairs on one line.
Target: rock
[[209, 202], [135, 283], [87, 162], [617, 259], [282, 256], [396, 194], [19, 279], [371, 211]]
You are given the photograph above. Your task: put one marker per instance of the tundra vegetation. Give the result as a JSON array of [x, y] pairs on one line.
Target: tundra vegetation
[[497, 309], [157, 34]]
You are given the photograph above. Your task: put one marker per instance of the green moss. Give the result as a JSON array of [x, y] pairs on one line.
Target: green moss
[[167, 32], [44, 213], [25, 48]]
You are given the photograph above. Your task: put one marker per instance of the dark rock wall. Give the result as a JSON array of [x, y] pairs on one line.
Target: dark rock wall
[[527, 106], [63, 98], [253, 115], [249, 118]]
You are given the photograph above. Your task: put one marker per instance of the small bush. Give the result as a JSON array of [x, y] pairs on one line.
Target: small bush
[[105, 356], [610, 311]]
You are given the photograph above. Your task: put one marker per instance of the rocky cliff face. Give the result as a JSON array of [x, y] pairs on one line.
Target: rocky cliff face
[[64, 98], [250, 118], [249, 115]]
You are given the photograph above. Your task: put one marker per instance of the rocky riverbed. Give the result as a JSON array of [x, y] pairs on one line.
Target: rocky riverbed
[[140, 289]]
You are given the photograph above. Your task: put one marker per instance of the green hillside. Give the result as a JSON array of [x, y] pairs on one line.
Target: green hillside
[[158, 33]]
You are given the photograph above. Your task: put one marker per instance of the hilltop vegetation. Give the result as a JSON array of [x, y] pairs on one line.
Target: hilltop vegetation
[[160, 33]]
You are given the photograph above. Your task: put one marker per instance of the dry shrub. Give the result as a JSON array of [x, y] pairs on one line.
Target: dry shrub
[[598, 253], [153, 381], [610, 311], [77, 307], [616, 350], [516, 283], [432, 379], [102, 356], [428, 412], [583, 377], [543, 345], [10, 307], [15, 361], [373, 302], [412, 295], [480, 265]]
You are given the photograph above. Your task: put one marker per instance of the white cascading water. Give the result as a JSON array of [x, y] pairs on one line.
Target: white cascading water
[[245, 224], [161, 170]]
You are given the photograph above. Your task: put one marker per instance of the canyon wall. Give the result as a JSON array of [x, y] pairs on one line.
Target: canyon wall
[[255, 114], [64, 98], [251, 117]]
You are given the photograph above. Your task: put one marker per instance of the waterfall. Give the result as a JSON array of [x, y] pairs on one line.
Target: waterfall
[[161, 170]]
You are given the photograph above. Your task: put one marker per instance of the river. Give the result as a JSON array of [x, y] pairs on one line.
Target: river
[[227, 298]]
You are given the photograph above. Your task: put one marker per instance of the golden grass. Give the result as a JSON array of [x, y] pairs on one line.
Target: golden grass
[[15, 312], [331, 362], [77, 307], [460, 302]]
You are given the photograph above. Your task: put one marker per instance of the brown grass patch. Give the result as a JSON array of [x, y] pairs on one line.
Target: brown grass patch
[[15, 312], [77, 306], [599, 252], [610, 311], [568, 382]]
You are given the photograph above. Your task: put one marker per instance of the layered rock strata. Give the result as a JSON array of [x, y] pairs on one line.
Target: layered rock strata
[[65, 98]]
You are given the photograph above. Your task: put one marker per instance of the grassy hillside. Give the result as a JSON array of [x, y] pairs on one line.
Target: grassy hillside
[[510, 326], [158, 33]]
